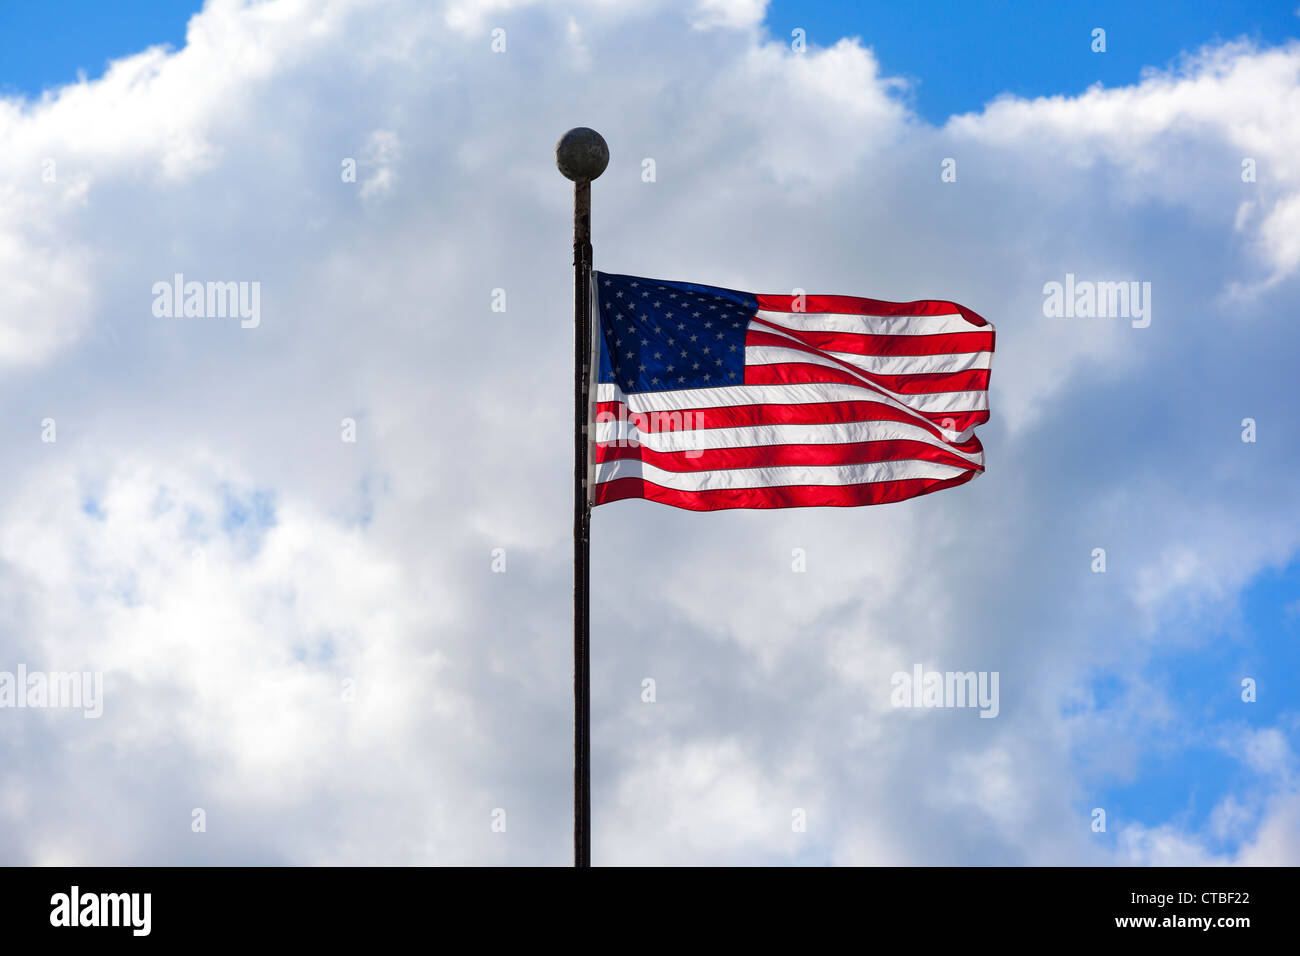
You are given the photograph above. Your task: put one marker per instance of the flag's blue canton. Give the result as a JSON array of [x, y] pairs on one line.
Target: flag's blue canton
[[658, 335]]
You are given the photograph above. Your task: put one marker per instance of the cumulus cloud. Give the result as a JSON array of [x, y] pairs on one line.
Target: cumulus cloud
[[729, 13], [304, 636]]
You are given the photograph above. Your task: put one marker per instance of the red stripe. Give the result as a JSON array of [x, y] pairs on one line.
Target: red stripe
[[786, 496], [771, 456], [865, 343], [958, 421], [811, 413], [927, 383], [801, 374], [804, 373], [853, 305]]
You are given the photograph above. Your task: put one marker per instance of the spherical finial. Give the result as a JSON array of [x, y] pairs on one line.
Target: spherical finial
[[581, 154]]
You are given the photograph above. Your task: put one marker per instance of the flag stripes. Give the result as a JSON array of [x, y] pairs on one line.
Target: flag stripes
[[826, 401]]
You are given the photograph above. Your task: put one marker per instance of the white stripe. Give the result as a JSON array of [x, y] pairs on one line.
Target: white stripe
[[880, 364], [802, 393], [775, 477], [872, 324], [916, 364], [750, 436]]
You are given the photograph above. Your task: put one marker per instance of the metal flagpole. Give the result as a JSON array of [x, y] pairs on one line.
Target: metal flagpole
[[581, 155]]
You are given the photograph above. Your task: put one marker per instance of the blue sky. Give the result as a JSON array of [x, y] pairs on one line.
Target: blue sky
[[958, 55], [961, 55], [45, 43], [1120, 690], [1260, 641]]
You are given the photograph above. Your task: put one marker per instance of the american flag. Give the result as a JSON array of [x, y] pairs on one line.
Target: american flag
[[708, 398]]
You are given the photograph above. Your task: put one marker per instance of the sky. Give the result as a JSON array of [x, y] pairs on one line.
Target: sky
[[321, 650], [956, 56]]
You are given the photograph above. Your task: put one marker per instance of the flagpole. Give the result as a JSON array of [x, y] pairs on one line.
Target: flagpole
[[581, 156]]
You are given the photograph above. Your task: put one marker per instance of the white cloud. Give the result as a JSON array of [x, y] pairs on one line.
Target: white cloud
[[225, 643], [734, 14], [1210, 104], [381, 155]]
